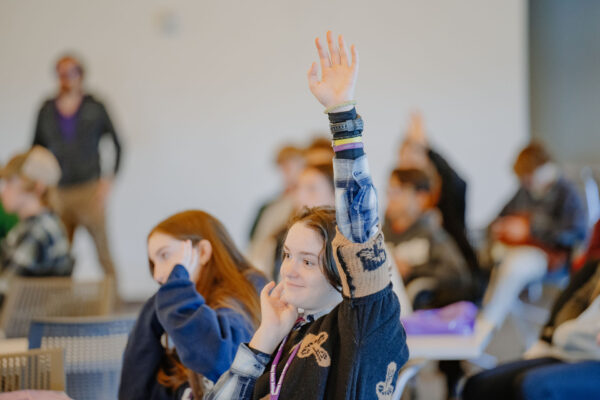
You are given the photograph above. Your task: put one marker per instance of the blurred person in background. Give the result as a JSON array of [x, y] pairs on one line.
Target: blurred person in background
[[273, 216], [319, 151], [71, 125], [429, 261], [421, 248], [312, 187], [315, 189], [535, 232], [448, 189], [37, 245], [565, 363]]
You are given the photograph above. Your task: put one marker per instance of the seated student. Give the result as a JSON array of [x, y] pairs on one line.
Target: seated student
[[335, 350], [425, 254], [187, 333], [559, 312], [274, 215], [448, 188], [535, 231], [431, 265], [592, 251], [315, 188], [37, 245], [319, 151], [565, 367]]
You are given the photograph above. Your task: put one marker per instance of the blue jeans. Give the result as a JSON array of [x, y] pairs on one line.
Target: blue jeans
[[562, 381], [536, 379]]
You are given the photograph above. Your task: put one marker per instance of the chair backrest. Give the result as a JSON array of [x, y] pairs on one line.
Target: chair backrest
[[93, 351], [34, 369], [30, 298]]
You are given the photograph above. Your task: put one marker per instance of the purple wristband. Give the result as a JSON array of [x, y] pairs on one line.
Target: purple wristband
[[348, 146]]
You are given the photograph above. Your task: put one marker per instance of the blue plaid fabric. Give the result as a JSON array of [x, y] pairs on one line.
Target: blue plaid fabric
[[355, 199]]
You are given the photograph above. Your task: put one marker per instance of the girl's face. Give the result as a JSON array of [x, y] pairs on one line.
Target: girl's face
[[314, 189], [165, 252], [305, 285]]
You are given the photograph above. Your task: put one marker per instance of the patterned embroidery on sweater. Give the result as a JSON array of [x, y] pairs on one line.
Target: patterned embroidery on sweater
[[311, 345], [372, 258], [342, 262], [385, 390]]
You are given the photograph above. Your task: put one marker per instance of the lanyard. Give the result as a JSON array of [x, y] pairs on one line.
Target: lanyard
[[276, 389]]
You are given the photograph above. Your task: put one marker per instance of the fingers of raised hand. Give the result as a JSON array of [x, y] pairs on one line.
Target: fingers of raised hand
[[333, 49], [354, 57], [313, 74], [343, 52], [323, 56]]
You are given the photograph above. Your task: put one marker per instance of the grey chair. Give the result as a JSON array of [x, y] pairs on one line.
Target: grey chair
[[29, 298], [34, 369], [93, 351]]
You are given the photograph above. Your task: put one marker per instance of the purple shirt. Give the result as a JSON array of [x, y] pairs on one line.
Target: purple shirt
[[67, 125]]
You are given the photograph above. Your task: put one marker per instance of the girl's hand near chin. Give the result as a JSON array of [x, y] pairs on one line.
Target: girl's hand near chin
[[278, 318]]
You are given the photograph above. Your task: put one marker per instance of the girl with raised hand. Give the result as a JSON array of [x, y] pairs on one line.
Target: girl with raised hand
[[347, 342], [188, 333]]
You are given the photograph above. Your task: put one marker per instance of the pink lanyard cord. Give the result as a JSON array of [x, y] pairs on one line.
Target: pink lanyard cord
[[274, 385]]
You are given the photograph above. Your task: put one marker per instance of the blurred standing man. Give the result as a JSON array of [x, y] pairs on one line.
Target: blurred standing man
[[71, 126]]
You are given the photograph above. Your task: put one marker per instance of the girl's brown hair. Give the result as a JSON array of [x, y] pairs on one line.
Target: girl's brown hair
[[322, 221], [223, 282]]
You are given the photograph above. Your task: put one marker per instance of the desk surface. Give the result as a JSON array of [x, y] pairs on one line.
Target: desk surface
[[16, 345], [451, 347]]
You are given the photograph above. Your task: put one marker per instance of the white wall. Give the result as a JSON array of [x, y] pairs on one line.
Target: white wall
[[202, 102]]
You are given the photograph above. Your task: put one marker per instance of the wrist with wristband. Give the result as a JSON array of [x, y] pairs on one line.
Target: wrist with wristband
[[349, 125], [346, 127]]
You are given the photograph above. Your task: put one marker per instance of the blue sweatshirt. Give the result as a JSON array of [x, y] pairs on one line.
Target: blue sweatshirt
[[205, 339]]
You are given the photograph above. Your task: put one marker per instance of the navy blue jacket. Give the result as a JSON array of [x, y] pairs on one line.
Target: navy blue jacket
[[205, 339]]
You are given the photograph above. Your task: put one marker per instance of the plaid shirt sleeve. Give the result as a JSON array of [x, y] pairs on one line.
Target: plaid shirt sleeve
[[238, 382], [355, 199], [20, 248], [38, 246], [355, 196]]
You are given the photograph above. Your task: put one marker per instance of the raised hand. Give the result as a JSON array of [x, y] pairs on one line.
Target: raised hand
[[416, 129], [277, 319], [338, 74]]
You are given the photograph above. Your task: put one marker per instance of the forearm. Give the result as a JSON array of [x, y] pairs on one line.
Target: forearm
[[205, 339], [238, 382], [356, 197]]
